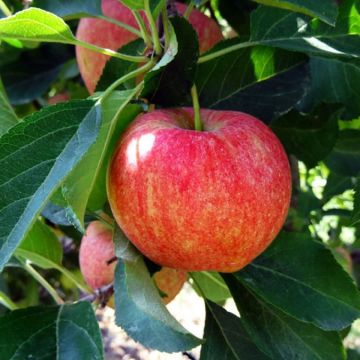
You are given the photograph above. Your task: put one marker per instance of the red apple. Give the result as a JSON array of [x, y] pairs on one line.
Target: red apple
[[97, 248], [110, 36], [199, 200]]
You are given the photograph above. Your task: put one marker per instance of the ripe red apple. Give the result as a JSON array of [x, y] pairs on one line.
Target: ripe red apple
[[97, 248], [110, 36], [199, 200]]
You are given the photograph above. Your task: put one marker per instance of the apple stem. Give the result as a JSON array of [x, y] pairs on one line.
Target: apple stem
[[5, 9], [109, 52], [189, 10], [196, 106], [227, 50], [144, 34], [153, 28], [38, 277], [121, 24]]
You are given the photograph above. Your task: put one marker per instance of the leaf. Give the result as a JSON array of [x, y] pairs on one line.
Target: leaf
[[169, 83], [70, 9], [309, 137], [336, 81], [226, 338], [33, 72], [326, 10], [116, 68], [280, 336], [139, 309], [78, 186], [293, 275], [270, 98], [355, 219], [155, 5], [33, 170], [41, 246], [8, 117], [36, 25], [211, 284], [345, 156], [297, 32], [335, 185], [261, 80], [53, 332]]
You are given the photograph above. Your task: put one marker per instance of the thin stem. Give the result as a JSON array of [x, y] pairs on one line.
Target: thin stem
[[121, 24], [109, 52], [127, 77], [37, 276], [166, 27], [5, 9], [225, 51], [7, 302], [189, 10], [196, 106], [153, 27], [144, 34]]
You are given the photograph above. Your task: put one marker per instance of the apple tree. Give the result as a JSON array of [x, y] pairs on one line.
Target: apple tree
[[77, 76]]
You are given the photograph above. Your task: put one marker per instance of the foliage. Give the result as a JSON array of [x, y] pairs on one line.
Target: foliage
[[294, 64]]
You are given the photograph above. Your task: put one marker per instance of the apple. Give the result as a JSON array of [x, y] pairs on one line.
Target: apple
[[59, 98], [110, 36], [97, 248], [199, 200]]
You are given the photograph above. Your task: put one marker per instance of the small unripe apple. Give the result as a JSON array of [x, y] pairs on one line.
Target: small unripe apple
[[97, 248], [110, 36], [199, 200]]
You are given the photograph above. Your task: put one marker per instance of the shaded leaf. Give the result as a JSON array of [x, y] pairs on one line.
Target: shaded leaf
[[226, 338], [355, 219], [297, 32], [279, 335], [54, 332], [309, 137], [139, 309], [293, 275], [33, 170], [335, 185], [8, 117], [345, 156], [326, 10]]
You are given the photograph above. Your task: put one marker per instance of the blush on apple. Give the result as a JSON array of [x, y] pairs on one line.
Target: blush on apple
[[110, 36], [97, 248], [199, 200]]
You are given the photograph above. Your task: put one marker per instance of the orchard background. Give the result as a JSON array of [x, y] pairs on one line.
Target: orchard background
[[294, 64]]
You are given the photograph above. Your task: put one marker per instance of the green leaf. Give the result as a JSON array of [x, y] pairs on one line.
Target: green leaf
[[309, 137], [262, 81], [297, 32], [70, 9], [326, 10], [280, 336], [226, 338], [139, 309], [33, 170], [293, 275], [170, 81], [41, 246], [36, 25], [78, 186], [336, 81], [8, 117], [54, 332], [355, 219], [345, 157], [155, 5], [211, 284]]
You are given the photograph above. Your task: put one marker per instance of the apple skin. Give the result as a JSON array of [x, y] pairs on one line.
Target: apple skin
[[97, 248], [199, 200], [110, 36], [59, 98]]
